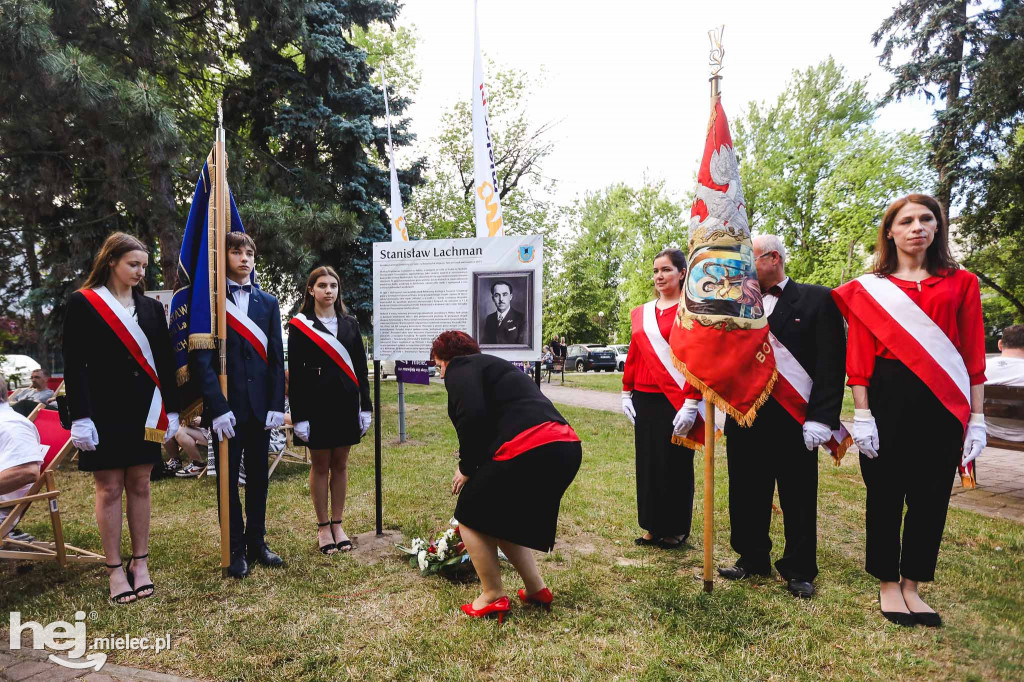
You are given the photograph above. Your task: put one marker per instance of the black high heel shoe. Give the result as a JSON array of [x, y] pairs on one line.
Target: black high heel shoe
[[928, 619], [131, 579], [330, 548], [121, 599], [897, 617], [344, 545]]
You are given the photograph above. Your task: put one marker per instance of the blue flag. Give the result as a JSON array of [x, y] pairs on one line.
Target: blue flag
[[193, 306]]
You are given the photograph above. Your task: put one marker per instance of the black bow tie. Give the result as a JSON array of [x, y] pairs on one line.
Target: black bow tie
[[775, 290], [233, 288]]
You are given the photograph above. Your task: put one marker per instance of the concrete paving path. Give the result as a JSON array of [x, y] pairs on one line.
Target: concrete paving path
[[31, 664], [1000, 491]]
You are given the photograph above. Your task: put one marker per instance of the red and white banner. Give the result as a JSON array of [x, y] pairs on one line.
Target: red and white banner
[[328, 343], [793, 391], [134, 339], [246, 328], [912, 337], [657, 355]]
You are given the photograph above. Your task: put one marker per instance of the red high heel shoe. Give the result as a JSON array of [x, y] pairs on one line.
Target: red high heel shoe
[[540, 598], [498, 606]]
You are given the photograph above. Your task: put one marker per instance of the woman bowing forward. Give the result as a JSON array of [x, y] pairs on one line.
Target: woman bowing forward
[[330, 397]]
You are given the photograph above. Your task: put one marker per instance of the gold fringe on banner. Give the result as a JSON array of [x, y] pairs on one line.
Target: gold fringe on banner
[[718, 401], [837, 458], [155, 435], [202, 342], [692, 444], [186, 416]]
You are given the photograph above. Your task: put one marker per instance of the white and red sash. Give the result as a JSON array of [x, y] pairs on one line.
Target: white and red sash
[[793, 391], [649, 342], [134, 339], [913, 338], [246, 328], [328, 343]]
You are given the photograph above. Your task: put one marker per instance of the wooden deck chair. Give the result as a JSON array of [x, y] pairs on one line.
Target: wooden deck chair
[[295, 454], [58, 442]]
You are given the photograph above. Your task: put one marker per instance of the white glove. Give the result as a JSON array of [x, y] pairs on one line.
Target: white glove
[[364, 422], [976, 439], [865, 433], [275, 420], [627, 407], [816, 434], [687, 414], [302, 431], [224, 425], [84, 435], [172, 426]]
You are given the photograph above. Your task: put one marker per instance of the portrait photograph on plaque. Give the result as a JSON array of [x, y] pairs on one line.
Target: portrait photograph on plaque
[[503, 309]]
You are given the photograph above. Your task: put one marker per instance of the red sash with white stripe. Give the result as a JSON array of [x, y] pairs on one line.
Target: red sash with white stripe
[[328, 343], [134, 339], [793, 390], [648, 341], [913, 337], [246, 328]]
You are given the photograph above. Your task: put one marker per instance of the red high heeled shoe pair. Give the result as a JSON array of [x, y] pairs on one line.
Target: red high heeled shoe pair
[[501, 606]]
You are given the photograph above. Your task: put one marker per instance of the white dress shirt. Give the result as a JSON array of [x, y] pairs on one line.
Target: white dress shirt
[[771, 299], [19, 444], [331, 323], [241, 296]]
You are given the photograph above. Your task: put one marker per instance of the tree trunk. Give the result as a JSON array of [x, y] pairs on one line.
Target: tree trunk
[[1017, 303], [28, 238], [948, 140], [165, 218]]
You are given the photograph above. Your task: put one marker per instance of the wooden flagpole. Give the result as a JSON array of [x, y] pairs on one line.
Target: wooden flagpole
[[220, 185], [709, 416]]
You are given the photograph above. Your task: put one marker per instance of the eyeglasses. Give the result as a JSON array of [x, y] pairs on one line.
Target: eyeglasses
[[766, 253]]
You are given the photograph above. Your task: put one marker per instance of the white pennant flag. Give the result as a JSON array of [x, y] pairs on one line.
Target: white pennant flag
[[485, 175], [399, 233]]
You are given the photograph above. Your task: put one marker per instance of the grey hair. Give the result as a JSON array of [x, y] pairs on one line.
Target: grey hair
[[3, 387], [771, 242]]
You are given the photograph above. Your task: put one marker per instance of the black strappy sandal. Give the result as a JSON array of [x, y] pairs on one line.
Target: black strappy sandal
[[344, 545], [131, 579], [326, 549], [121, 599]]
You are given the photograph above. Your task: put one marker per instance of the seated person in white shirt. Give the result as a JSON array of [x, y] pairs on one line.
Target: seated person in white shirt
[[20, 455], [24, 399], [1007, 370]]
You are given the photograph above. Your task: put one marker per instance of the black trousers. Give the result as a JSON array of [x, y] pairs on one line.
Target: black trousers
[[919, 447], [251, 441], [664, 472], [771, 452]]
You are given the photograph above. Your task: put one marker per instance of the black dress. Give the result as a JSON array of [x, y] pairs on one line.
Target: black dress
[[320, 392], [490, 402], [105, 383]]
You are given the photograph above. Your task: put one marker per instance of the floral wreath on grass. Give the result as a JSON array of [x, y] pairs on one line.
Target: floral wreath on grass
[[445, 554]]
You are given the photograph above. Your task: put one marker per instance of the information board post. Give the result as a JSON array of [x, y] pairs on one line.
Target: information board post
[[536, 372], [401, 411], [376, 443]]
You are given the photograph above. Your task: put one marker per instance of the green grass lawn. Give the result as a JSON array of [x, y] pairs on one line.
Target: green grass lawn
[[593, 381], [621, 612]]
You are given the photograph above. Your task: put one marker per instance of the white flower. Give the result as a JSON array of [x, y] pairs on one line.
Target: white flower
[[442, 548], [453, 522], [449, 534], [418, 545], [421, 559]]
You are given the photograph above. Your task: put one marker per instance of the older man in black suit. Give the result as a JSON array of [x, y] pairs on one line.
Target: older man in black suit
[[505, 325], [776, 448]]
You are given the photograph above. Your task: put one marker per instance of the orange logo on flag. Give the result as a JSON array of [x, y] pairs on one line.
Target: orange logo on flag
[[493, 220], [401, 228]]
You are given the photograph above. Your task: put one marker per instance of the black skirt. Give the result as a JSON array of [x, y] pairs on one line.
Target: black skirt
[[119, 456], [335, 428], [664, 472], [517, 499]]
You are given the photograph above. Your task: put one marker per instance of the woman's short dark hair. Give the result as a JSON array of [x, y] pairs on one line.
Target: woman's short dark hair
[[938, 258], [452, 344]]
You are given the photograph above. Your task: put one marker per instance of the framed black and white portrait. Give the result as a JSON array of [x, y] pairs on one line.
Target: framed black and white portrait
[[503, 310]]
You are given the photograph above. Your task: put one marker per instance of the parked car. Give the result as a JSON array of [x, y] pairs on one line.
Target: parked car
[[583, 357], [621, 350]]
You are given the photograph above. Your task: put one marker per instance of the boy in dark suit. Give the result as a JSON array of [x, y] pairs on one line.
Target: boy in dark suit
[[255, 402]]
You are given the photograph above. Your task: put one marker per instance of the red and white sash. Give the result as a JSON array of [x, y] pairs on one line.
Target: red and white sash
[[912, 337], [793, 391], [657, 355], [328, 343], [134, 339], [246, 328]]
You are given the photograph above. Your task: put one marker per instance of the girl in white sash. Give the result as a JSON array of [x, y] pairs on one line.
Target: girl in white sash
[[329, 396], [664, 471], [120, 382], [916, 362]]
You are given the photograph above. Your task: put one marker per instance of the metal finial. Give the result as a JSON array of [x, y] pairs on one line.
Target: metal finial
[[220, 115], [717, 51]]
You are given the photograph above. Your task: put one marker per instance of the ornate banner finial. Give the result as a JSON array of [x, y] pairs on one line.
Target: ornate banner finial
[[220, 115], [717, 51]]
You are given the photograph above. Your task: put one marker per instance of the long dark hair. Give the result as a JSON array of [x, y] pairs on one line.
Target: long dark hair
[[308, 302], [937, 258], [115, 246], [678, 259]]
